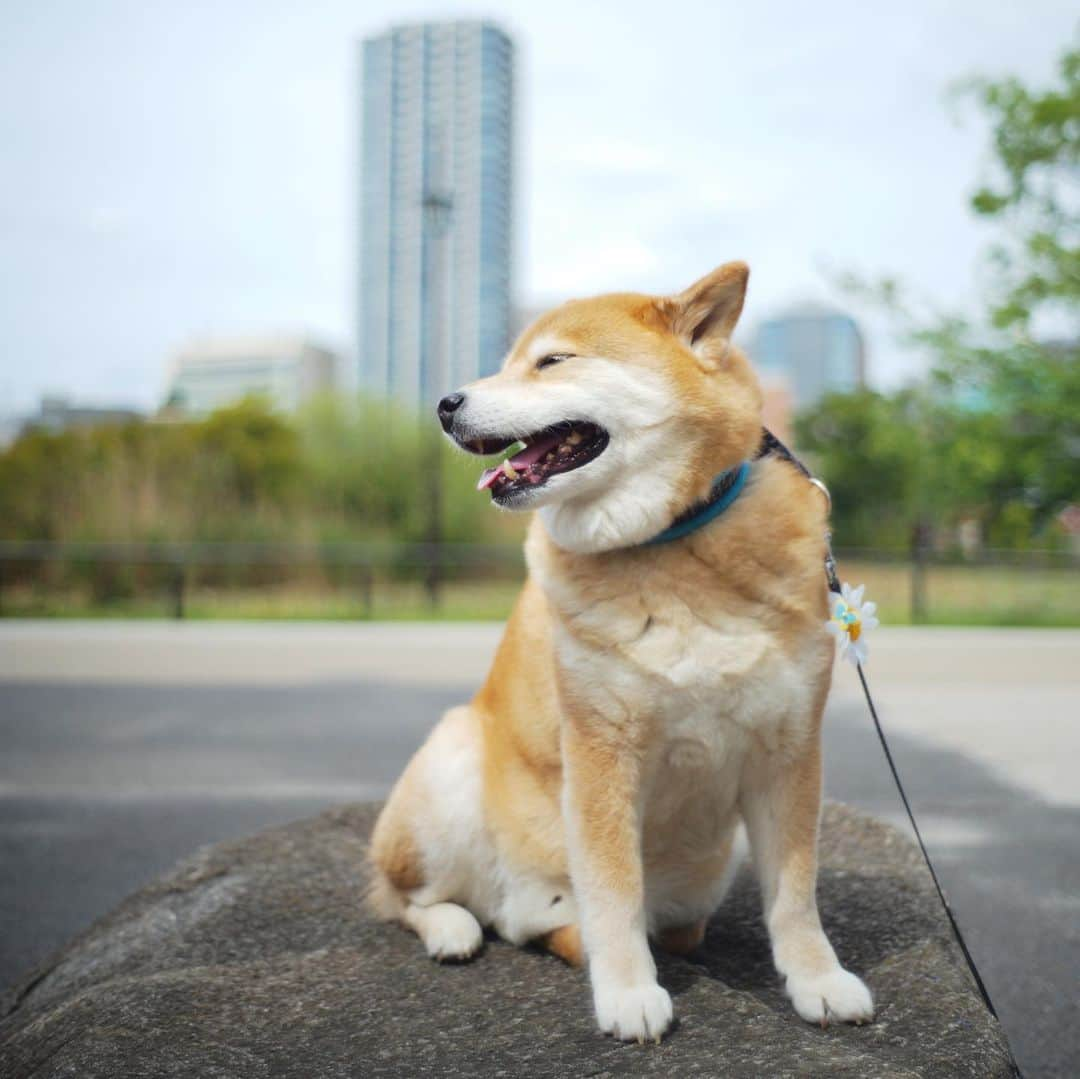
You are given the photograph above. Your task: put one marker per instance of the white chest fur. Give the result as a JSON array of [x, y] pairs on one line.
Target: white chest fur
[[705, 694], [685, 677]]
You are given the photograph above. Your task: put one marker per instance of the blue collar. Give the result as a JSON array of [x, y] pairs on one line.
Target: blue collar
[[725, 490]]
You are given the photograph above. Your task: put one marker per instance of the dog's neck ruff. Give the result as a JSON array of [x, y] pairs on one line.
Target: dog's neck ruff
[[725, 489]]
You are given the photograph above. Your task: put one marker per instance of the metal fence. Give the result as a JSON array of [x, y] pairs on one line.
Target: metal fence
[[915, 584], [170, 570]]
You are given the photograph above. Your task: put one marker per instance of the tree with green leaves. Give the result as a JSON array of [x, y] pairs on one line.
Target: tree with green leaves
[[995, 432], [340, 469], [1035, 193]]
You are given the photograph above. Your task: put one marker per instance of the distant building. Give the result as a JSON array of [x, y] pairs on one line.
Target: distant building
[[57, 413], [217, 371], [436, 207], [815, 350]]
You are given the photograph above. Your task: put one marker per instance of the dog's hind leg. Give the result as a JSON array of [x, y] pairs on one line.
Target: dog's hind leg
[[565, 942], [428, 854], [449, 931]]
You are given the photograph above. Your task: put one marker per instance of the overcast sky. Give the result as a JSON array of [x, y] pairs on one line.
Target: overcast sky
[[168, 168]]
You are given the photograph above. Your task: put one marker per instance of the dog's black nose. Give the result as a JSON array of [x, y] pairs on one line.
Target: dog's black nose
[[447, 407]]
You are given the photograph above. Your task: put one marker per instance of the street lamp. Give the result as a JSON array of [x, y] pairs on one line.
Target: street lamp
[[438, 213]]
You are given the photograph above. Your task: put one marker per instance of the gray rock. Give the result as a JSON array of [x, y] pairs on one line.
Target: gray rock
[[258, 958]]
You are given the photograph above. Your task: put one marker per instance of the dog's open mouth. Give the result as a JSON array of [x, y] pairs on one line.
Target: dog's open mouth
[[554, 450]]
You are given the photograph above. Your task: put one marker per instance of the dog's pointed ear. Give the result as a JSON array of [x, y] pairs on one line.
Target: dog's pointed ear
[[704, 316]]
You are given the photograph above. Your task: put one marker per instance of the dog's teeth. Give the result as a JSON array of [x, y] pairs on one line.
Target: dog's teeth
[[508, 470], [564, 449], [575, 437]]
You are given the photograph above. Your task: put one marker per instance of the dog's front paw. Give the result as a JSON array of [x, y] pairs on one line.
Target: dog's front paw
[[634, 1013], [837, 994]]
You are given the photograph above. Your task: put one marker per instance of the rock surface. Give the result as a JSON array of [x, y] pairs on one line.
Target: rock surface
[[258, 958]]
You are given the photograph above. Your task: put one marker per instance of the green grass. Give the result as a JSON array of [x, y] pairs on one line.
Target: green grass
[[390, 601], [972, 595], [956, 595]]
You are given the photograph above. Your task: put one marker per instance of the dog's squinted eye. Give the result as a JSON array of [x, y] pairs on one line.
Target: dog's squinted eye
[[553, 358]]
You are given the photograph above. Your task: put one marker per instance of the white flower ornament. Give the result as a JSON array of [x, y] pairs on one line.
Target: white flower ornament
[[851, 618]]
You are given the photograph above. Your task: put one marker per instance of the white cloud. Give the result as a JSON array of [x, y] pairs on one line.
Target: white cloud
[[106, 220], [616, 155], [657, 143]]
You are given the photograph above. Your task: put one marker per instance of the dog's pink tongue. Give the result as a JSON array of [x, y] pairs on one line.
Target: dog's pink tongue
[[520, 462], [531, 454]]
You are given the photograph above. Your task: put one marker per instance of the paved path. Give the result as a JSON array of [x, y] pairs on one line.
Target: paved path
[[123, 746]]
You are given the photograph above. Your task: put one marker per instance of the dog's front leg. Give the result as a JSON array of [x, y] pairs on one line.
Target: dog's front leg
[[601, 804], [781, 804]]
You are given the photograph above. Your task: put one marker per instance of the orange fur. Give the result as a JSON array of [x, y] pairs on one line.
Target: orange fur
[[682, 939], [565, 942]]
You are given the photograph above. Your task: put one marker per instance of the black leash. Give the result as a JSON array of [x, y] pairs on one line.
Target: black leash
[[922, 846], [983, 992], [771, 445]]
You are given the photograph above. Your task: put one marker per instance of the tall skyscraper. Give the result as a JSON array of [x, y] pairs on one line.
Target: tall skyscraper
[[436, 207], [814, 350]]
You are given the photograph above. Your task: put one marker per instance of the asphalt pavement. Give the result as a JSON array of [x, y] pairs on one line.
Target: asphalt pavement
[[124, 746]]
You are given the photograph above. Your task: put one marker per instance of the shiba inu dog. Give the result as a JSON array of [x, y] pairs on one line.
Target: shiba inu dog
[[662, 676]]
